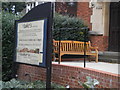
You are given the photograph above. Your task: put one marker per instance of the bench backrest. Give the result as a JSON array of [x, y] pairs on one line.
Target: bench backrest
[[76, 46]]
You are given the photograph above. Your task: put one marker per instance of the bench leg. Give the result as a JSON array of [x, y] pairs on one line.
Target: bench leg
[[96, 58], [60, 57], [54, 58], [89, 58]]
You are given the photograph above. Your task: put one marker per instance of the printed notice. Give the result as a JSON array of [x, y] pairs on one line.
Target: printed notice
[[30, 37]]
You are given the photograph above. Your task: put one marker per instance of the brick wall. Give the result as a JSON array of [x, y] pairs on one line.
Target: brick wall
[[84, 12], [80, 9], [100, 41], [65, 9], [69, 75]]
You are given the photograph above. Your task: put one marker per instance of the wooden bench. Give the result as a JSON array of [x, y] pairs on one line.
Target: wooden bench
[[74, 48]]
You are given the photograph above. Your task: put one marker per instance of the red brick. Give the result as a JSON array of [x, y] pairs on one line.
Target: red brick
[[100, 41], [84, 12], [64, 74]]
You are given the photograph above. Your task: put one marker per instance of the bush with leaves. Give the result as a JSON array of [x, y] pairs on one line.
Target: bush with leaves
[[8, 33], [13, 83], [90, 83], [74, 25]]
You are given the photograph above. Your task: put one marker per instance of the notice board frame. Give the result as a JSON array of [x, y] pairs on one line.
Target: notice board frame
[[35, 14]]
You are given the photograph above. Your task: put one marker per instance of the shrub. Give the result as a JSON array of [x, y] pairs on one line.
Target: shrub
[[68, 22], [8, 34], [13, 83], [90, 83]]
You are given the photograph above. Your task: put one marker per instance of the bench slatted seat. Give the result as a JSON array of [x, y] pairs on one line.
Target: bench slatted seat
[[74, 48]]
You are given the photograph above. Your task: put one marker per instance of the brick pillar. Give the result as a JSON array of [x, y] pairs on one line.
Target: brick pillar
[[84, 12], [65, 9], [100, 41]]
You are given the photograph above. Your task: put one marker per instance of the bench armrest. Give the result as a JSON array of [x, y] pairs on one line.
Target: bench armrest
[[95, 48], [54, 45]]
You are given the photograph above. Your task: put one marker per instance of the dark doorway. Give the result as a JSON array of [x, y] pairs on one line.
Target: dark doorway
[[114, 34]]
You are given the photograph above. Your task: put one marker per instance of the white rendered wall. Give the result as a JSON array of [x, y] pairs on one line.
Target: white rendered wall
[[31, 5], [97, 19]]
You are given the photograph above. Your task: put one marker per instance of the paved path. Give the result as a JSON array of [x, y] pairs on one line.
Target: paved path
[[108, 67]]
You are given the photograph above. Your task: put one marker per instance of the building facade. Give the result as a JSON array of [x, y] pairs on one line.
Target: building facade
[[101, 17], [105, 20]]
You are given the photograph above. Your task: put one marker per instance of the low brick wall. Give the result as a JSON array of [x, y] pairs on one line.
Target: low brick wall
[[69, 75]]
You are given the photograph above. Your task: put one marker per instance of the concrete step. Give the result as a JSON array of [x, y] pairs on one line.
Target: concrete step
[[108, 57], [108, 53], [112, 57], [111, 60]]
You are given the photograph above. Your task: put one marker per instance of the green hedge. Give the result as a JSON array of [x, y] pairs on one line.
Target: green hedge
[[68, 22], [8, 39]]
